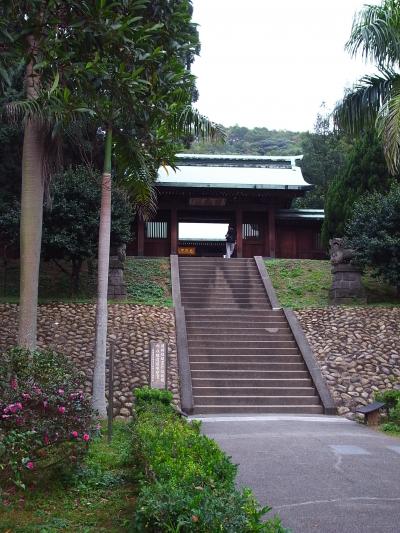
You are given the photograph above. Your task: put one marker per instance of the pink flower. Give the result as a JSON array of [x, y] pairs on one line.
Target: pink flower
[[26, 396], [61, 409], [18, 405], [14, 383], [45, 404], [74, 434], [46, 439], [86, 437], [60, 392], [30, 465]]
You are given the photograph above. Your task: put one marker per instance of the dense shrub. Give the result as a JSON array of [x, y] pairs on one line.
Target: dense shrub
[[187, 482], [374, 233], [392, 401], [45, 419]]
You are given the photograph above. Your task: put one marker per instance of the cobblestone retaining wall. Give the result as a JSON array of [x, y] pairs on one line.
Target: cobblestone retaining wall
[[69, 328], [358, 350]]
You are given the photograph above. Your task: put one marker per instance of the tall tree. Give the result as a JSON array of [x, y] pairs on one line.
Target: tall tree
[[324, 154], [365, 171], [34, 34], [375, 100], [135, 75]]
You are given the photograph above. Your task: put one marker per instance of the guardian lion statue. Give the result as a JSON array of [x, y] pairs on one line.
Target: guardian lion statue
[[339, 253]]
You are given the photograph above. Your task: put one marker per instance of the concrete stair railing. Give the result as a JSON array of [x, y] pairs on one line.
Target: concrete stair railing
[[245, 354]]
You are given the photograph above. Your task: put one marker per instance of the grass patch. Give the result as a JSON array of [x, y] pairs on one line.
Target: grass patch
[[300, 282], [305, 283], [147, 280], [99, 497]]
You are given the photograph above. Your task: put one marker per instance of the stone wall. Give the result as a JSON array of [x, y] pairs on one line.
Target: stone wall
[[69, 328], [358, 350]]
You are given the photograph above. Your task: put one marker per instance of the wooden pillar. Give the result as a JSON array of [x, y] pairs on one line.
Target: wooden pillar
[[239, 232], [174, 231], [271, 231], [140, 236]]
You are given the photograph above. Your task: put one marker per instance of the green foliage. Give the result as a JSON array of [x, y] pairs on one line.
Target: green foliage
[[45, 419], [391, 398], [71, 221], [306, 283], [98, 496], [71, 224], [365, 171], [374, 101], [256, 141], [300, 282], [145, 394], [55, 284], [189, 481], [374, 233], [148, 281], [324, 155]]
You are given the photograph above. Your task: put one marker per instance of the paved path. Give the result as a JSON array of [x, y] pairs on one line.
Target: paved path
[[321, 474]]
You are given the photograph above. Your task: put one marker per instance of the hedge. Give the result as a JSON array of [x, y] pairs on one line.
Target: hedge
[[187, 483]]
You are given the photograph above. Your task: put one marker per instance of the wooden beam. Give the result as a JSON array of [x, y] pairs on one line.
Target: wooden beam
[[174, 231], [140, 236], [271, 231], [239, 232]]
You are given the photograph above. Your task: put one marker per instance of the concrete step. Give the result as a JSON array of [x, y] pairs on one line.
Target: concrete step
[[222, 275], [241, 291], [245, 359], [239, 344], [253, 409], [195, 365], [250, 374], [235, 325], [255, 400], [241, 351], [216, 259], [254, 391], [237, 306], [234, 313], [282, 383], [239, 336], [225, 297], [227, 328]]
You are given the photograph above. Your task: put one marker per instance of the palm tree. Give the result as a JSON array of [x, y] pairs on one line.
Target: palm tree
[[375, 100], [136, 83], [35, 33]]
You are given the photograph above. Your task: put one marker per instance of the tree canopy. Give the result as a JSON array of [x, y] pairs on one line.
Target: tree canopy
[[375, 100], [364, 171], [374, 233]]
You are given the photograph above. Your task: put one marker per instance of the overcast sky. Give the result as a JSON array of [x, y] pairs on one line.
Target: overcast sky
[[273, 62]]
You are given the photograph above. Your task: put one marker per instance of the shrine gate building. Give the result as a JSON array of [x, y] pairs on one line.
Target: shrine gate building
[[254, 193]]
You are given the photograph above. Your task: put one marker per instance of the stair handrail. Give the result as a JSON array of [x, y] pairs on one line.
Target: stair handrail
[[311, 363], [269, 289], [301, 341], [185, 377]]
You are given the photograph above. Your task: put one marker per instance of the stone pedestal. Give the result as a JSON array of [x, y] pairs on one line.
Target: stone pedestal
[[116, 283], [346, 285]]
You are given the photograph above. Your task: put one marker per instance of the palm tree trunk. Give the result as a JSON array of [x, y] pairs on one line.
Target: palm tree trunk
[[99, 374], [31, 214]]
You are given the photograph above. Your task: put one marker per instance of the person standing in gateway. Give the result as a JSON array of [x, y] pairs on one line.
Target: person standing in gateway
[[230, 241]]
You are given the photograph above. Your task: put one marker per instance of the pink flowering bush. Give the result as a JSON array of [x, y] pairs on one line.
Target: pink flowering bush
[[46, 421]]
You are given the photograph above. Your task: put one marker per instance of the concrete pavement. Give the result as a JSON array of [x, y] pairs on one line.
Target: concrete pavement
[[321, 474]]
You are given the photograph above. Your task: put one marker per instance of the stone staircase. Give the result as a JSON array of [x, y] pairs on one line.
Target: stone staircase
[[243, 356]]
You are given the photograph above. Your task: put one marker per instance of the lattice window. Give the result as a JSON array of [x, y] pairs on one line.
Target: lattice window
[[156, 230], [251, 231]]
